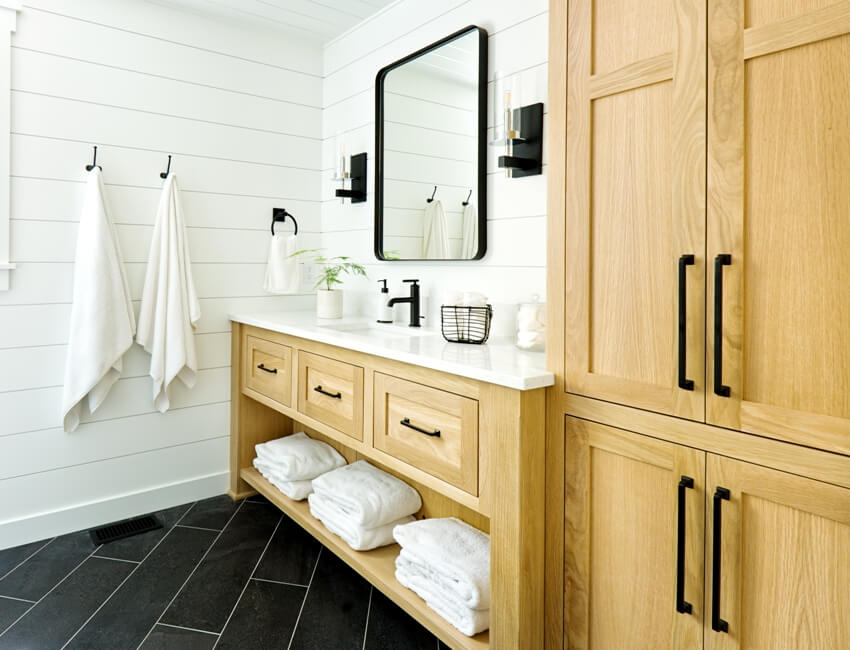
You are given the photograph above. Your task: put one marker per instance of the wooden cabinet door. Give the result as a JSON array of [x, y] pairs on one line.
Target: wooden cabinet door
[[622, 544], [784, 560], [635, 202], [779, 206]]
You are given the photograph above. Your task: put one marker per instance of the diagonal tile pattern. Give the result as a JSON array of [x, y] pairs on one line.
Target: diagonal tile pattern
[[218, 575]]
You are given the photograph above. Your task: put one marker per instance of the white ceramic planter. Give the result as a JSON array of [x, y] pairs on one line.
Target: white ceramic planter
[[329, 303]]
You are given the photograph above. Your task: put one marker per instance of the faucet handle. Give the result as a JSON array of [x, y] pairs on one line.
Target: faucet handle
[[413, 281]]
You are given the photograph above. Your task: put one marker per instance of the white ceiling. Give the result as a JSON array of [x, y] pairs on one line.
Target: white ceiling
[[322, 20]]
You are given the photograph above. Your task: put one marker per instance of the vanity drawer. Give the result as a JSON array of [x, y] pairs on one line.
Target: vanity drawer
[[428, 428], [331, 391], [268, 369]]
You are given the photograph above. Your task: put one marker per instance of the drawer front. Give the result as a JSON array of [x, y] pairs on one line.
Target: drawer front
[[331, 391], [431, 429], [268, 369]]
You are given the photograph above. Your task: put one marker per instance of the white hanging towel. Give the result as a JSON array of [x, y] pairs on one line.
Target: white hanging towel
[[469, 242], [435, 237], [170, 308], [102, 321], [283, 273]]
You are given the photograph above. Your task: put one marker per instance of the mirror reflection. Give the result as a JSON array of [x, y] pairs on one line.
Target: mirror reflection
[[430, 191]]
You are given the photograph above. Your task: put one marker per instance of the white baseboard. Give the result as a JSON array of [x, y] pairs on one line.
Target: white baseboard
[[104, 511]]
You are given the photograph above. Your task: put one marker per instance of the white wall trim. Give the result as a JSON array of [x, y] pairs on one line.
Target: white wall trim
[[95, 513], [8, 23]]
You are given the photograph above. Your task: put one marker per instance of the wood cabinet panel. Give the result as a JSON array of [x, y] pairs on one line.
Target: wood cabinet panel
[[621, 540], [785, 560], [331, 391], [444, 441], [268, 369]]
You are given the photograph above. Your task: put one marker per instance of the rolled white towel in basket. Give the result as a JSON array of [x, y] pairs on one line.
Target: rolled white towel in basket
[[455, 556], [415, 576], [339, 523], [368, 496], [299, 457]]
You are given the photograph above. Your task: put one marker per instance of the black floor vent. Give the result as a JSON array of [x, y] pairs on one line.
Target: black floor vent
[[126, 528]]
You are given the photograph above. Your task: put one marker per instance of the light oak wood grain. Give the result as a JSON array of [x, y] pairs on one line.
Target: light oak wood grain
[[274, 357], [345, 412]]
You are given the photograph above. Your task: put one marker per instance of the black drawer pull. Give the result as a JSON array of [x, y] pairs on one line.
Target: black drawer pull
[[682, 606], [271, 370], [406, 423], [684, 262], [717, 623], [719, 262], [321, 390]]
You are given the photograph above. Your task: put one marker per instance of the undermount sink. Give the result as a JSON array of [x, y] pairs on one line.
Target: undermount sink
[[380, 329]]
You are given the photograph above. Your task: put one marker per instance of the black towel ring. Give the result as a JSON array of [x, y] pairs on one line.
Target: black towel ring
[[94, 162], [280, 214], [469, 196], [433, 194], [164, 174]]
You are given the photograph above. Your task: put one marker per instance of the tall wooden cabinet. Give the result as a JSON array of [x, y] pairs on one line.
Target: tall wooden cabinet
[[698, 435]]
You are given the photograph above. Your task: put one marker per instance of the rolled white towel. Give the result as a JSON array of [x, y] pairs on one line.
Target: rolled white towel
[[368, 496], [295, 490], [455, 554], [469, 621], [357, 537], [298, 457]]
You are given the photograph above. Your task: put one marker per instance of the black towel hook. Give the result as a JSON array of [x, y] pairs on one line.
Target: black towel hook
[[94, 162], [164, 174], [433, 194], [280, 214], [469, 196]]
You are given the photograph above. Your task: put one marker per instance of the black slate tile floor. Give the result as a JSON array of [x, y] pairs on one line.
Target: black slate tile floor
[[218, 575]]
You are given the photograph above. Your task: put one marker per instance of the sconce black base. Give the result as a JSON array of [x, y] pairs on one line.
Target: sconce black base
[[528, 153], [357, 193]]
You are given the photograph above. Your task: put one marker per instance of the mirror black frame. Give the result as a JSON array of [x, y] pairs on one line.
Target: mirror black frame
[[481, 149]]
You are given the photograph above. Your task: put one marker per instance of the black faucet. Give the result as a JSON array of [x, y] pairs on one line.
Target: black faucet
[[413, 299]]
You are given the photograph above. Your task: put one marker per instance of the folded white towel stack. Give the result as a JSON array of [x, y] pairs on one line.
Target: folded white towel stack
[[362, 504], [292, 462], [447, 563], [102, 320]]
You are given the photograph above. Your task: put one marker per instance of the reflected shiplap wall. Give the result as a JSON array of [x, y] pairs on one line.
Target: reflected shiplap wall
[[241, 113], [514, 267]]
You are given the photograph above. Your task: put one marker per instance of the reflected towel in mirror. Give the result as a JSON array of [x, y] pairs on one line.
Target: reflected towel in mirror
[[435, 237]]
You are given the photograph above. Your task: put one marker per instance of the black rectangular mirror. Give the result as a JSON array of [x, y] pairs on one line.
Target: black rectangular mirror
[[430, 145]]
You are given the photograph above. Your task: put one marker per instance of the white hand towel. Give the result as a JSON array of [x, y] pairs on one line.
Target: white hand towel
[[469, 233], [295, 490], [283, 273], [170, 307], [298, 457], [468, 621], [102, 320], [369, 496], [457, 557], [435, 237], [340, 524]]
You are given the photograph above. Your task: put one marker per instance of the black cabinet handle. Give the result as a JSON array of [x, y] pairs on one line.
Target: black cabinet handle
[[271, 370], [406, 423], [321, 390], [717, 624], [684, 262], [720, 261], [682, 606]]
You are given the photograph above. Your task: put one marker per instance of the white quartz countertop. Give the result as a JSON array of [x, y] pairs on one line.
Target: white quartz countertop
[[498, 361]]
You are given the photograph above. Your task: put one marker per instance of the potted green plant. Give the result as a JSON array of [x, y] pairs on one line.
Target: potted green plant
[[329, 298]]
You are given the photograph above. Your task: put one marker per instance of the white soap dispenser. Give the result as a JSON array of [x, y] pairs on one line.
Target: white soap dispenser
[[384, 312]]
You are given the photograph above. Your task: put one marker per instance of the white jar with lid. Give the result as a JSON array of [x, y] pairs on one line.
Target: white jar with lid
[[531, 325]]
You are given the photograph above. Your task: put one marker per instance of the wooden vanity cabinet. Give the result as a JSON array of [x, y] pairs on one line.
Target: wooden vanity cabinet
[[472, 449]]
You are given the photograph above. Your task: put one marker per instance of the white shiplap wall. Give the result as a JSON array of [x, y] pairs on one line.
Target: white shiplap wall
[[514, 267], [241, 112]]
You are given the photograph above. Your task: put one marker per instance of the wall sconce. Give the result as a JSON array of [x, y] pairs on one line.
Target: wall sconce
[[518, 129], [357, 175]]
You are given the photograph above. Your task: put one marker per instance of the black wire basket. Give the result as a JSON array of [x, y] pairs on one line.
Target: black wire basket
[[466, 324]]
